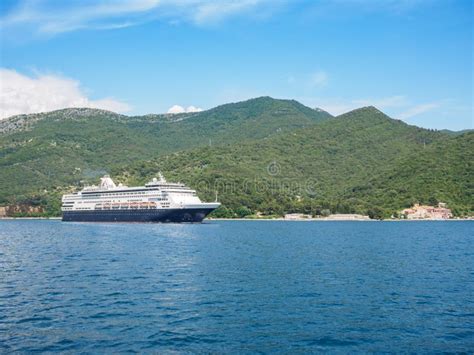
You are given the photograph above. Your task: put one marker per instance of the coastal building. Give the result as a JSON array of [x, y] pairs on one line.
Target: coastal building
[[297, 216], [347, 217], [25, 210], [427, 212], [332, 217]]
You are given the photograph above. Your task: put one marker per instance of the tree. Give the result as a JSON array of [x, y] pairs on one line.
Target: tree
[[432, 201], [375, 213], [243, 211], [222, 212], [325, 212]]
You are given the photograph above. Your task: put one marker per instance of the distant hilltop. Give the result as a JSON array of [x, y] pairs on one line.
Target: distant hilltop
[[26, 121], [263, 155]]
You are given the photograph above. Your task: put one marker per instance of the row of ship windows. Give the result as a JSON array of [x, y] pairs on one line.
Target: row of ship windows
[[133, 193], [129, 208], [107, 194], [98, 197], [109, 201]]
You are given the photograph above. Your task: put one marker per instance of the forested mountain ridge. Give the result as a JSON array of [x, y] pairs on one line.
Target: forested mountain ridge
[[442, 171], [324, 166], [47, 150], [262, 155], [254, 109]]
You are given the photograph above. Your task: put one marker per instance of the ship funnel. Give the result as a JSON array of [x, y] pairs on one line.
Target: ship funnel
[[106, 182], [161, 177]]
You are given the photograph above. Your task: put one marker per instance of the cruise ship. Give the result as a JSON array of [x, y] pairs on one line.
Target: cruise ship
[[157, 201]]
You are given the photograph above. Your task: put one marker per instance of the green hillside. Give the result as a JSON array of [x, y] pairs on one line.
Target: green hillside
[[443, 171], [326, 166], [43, 151], [261, 155]]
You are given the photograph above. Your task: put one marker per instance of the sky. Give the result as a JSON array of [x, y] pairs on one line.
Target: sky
[[412, 59]]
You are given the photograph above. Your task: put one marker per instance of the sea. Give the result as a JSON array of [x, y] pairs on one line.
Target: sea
[[237, 287]]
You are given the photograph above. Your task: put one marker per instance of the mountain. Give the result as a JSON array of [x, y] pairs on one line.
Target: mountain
[[442, 171], [455, 133], [330, 165], [267, 113], [48, 150], [261, 155]]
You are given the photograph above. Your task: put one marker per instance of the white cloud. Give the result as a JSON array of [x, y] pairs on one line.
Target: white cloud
[[21, 94], [176, 109], [180, 109], [435, 114], [398, 106], [319, 79], [337, 106], [211, 11], [417, 110], [53, 17], [193, 109], [50, 17]]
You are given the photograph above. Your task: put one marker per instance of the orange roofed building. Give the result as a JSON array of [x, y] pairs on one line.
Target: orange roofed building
[[428, 212]]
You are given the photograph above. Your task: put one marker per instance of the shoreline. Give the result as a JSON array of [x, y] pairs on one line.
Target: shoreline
[[280, 219], [10, 218], [338, 220]]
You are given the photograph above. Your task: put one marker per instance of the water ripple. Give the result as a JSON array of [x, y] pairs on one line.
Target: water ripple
[[236, 287]]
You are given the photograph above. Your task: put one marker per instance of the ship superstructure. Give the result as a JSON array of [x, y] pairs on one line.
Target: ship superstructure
[[157, 201]]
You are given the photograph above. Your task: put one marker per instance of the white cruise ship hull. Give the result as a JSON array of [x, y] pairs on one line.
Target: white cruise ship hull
[[157, 201]]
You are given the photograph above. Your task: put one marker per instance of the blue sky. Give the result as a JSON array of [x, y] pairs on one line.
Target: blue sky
[[411, 59]]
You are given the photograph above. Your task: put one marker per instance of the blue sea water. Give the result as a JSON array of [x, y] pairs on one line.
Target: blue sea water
[[234, 286]]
